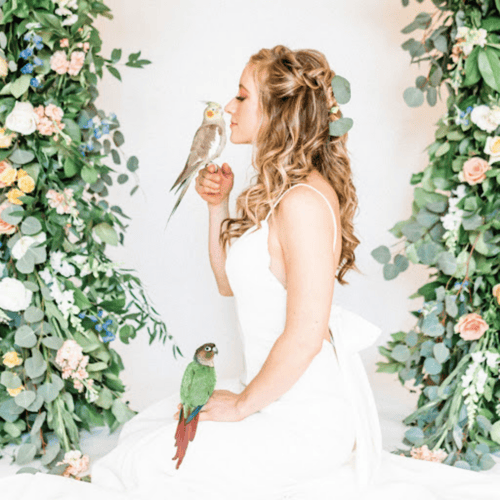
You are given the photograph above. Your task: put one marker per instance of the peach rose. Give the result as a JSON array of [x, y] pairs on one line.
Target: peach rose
[[474, 170], [40, 111], [26, 184], [496, 292], [59, 63], [13, 196], [15, 392], [11, 359], [471, 326], [45, 126], [5, 139], [76, 63], [4, 67], [5, 227], [64, 42], [7, 174]]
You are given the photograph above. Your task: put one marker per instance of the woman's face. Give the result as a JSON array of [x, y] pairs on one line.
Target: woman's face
[[244, 110]]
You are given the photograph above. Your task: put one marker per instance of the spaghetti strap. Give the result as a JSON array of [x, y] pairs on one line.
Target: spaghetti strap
[[327, 202]]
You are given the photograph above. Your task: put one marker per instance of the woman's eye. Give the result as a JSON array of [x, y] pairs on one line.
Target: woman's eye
[[239, 98]]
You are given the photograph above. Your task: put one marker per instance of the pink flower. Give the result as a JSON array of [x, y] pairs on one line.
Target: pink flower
[[54, 112], [45, 126], [59, 63], [5, 227], [423, 453], [40, 111], [76, 63], [62, 202], [474, 170], [471, 326], [64, 42], [77, 463]]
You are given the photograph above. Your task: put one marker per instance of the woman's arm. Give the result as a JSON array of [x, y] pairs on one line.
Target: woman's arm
[[217, 213], [305, 230]]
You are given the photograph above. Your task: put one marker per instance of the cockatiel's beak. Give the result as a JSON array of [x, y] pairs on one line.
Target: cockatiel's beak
[[215, 350]]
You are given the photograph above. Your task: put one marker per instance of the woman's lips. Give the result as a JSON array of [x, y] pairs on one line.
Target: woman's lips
[[232, 123]]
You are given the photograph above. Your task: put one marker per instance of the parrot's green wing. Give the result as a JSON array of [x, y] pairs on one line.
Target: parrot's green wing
[[198, 384]]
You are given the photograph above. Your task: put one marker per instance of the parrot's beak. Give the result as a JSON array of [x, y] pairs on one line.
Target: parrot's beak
[[216, 351]]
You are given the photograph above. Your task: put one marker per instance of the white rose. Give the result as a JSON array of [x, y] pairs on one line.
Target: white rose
[[492, 147], [70, 20], [482, 117], [462, 32], [21, 246], [22, 119], [14, 296]]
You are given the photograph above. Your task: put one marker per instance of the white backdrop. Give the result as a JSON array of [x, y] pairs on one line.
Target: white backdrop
[[198, 50]]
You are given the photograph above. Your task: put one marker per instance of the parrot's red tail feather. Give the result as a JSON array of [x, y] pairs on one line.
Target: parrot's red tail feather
[[183, 435]]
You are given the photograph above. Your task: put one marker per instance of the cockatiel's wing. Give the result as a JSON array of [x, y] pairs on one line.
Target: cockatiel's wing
[[207, 138]]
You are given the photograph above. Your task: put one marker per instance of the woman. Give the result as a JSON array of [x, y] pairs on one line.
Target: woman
[[302, 422]]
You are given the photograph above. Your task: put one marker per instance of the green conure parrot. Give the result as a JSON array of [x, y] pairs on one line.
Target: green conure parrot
[[208, 143], [198, 384]]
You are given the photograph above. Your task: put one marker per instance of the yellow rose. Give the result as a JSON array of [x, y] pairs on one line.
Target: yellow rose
[[25, 183], [13, 196], [15, 392], [5, 139], [4, 67], [11, 359], [7, 175], [496, 292]]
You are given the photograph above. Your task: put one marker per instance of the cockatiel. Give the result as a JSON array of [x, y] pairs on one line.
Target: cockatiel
[[198, 384], [208, 143]]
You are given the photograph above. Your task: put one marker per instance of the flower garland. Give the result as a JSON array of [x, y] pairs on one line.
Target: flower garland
[[62, 301], [452, 354]]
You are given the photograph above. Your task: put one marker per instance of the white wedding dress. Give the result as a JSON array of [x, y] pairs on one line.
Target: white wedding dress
[[299, 447]]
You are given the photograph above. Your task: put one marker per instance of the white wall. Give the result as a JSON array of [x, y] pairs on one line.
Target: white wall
[[198, 50]]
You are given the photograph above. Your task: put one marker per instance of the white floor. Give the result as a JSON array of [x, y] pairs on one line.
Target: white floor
[[394, 403]]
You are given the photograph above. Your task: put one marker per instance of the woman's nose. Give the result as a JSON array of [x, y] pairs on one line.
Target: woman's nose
[[229, 108]]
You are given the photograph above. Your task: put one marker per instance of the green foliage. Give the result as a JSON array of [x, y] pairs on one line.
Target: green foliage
[[60, 292], [454, 229]]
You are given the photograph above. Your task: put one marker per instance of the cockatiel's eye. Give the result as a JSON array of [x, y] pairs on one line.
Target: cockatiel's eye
[[207, 348]]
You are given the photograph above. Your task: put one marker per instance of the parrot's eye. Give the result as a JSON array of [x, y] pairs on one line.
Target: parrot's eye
[[207, 348]]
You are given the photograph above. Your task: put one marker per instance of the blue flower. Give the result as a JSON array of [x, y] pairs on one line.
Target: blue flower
[[90, 124], [27, 37], [109, 337], [98, 327], [100, 313], [38, 61], [39, 45], [93, 318], [469, 109], [90, 147], [108, 322], [97, 133], [34, 83], [81, 315], [27, 68], [26, 53], [37, 38], [112, 116], [105, 129]]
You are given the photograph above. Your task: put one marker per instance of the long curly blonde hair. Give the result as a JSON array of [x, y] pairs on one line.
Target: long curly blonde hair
[[295, 97]]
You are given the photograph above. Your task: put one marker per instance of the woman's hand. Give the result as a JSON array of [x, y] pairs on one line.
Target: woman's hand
[[222, 406], [214, 187]]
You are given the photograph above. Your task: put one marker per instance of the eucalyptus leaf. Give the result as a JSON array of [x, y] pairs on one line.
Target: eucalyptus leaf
[[413, 97], [390, 271], [26, 453], [381, 254], [21, 156], [400, 353], [25, 398], [414, 435], [25, 337], [10, 380], [432, 366], [489, 67], [341, 126], [341, 89], [441, 352], [20, 86], [35, 365], [106, 233], [31, 225]]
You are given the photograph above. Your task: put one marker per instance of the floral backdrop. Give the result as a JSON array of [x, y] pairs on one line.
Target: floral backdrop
[[62, 301], [452, 355]]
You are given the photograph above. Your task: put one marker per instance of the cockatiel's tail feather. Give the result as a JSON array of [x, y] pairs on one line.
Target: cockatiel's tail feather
[[178, 201]]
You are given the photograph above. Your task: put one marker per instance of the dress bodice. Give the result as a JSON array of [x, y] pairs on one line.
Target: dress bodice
[[261, 302]]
